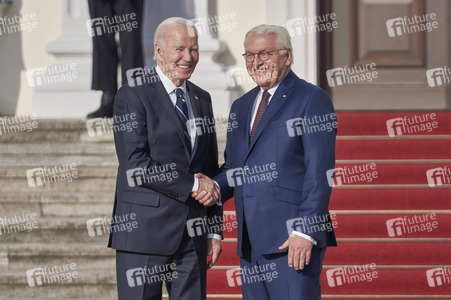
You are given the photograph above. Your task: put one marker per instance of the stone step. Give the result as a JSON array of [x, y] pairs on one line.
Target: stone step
[[100, 154], [59, 148], [51, 230], [71, 177], [66, 131], [52, 159], [87, 256], [76, 185], [55, 131], [33, 157], [20, 172], [89, 284], [56, 204]]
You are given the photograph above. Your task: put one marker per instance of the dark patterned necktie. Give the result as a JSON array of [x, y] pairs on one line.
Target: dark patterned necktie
[[260, 111], [182, 111]]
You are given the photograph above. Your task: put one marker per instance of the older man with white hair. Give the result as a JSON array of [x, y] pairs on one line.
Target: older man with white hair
[[172, 233], [275, 167]]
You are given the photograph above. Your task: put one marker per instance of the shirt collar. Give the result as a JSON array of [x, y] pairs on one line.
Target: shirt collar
[[272, 90], [169, 86]]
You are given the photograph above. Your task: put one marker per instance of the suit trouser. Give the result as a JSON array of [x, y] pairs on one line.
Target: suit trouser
[[268, 276], [184, 273], [105, 57]]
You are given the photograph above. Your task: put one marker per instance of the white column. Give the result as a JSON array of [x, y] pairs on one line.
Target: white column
[[209, 74], [69, 99], [304, 45]]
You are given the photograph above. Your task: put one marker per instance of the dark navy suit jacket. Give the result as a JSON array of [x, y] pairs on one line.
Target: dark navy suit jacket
[[300, 188], [163, 207]]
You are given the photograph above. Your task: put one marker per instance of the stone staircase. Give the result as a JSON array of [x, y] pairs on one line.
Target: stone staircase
[[60, 211]]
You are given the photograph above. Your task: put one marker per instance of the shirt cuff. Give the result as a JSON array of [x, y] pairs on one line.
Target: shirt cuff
[[219, 188], [305, 236], [195, 185], [214, 236]]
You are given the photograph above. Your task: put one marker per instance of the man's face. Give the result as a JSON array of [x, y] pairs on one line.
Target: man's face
[[267, 73], [178, 55]]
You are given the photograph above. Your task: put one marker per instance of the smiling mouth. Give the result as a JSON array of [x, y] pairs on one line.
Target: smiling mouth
[[184, 67], [260, 70]]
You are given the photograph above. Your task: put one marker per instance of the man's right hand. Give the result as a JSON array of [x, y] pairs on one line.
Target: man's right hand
[[208, 192]]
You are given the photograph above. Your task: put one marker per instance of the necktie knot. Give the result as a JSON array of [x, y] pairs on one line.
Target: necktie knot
[[180, 94], [265, 97]]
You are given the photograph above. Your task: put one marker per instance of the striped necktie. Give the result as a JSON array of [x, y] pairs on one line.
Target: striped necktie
[[260, 111], [182, 111]]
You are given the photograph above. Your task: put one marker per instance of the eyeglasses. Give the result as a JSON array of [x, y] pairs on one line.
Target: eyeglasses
[[262, 55]]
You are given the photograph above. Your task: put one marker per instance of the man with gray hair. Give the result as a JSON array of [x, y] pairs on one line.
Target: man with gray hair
[[172, 233], [275, 167]]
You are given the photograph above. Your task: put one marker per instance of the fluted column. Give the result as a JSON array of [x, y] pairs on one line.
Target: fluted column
[[69, 96], [211, 74]]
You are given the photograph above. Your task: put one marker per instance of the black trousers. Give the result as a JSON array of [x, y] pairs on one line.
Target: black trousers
[[105, 50], [140, 276]]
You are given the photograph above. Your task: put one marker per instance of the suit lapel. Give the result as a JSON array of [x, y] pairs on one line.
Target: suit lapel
[[197, 113], [277, 102], [162, 99], [247, 116]]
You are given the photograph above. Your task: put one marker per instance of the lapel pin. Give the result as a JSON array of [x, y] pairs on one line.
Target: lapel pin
[[284, 96], [195, 97]]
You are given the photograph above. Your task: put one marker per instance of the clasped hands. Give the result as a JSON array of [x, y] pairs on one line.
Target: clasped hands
[[208, 192]]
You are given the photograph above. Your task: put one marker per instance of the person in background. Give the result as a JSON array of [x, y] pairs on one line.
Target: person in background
[[124, 17]]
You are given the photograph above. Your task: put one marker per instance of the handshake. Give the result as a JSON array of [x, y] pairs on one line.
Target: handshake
[[208, 192]]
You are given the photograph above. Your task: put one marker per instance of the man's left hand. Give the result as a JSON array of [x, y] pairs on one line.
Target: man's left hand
[[299, 251], [214, 248]]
